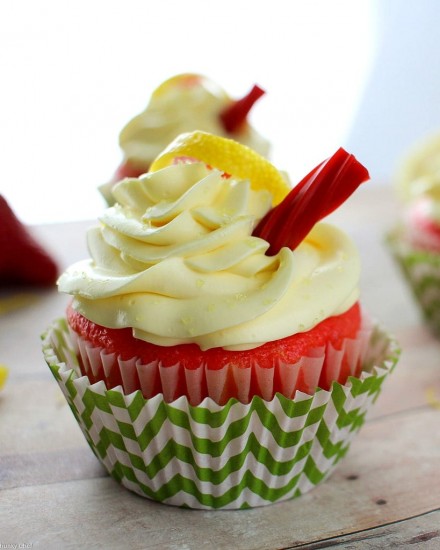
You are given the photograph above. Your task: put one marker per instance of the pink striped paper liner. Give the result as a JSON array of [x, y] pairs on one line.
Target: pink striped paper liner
[[319, 368]]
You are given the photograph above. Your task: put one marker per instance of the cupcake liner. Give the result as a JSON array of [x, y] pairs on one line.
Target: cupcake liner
[[421, 270], [320, 368], [212, 456]]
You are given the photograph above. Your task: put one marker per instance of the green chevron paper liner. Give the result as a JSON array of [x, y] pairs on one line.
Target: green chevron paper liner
[[421, 270], [212, 456]]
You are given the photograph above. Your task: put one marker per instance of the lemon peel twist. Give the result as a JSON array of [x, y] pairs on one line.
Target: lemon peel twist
[[230, 157], [3, 375]]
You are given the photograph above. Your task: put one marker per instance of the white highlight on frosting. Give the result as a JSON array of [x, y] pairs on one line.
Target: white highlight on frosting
[[175, 260]]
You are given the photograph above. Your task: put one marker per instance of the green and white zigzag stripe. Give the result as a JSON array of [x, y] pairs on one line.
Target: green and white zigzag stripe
[[421, 269], [211, 456]]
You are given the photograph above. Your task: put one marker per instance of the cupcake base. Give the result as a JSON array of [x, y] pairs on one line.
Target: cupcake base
[[239, 375], [219, 457]]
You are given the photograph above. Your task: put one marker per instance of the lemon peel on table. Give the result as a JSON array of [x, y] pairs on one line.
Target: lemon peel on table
[[230, 157], [4, 372], [16, 301], [432, 399]]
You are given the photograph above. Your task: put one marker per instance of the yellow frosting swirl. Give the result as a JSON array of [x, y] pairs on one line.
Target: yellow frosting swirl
[[182, 104], [175, 259]]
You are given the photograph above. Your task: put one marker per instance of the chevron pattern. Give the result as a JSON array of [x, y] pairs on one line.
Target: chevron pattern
[[218, 457], [421, 270]]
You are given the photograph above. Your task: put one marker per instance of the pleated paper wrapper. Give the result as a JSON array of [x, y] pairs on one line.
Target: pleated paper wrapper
[[213, 456], [319, 368]]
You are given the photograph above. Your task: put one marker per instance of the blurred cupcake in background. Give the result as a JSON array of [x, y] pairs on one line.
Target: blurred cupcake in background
[[184, 103], [415, 242]]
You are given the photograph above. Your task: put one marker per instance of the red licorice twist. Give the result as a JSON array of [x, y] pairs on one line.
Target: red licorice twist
[[323, 190], [235, 114]]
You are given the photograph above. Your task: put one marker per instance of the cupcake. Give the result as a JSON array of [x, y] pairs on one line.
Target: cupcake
[[215, 353], [184, 103], [415, 242]]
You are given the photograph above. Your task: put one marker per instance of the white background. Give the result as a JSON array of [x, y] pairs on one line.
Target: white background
[[73, 73]]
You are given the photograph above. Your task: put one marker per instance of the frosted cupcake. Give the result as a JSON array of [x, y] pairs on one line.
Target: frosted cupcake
[[416, 241], [215, 353], [184, 103]]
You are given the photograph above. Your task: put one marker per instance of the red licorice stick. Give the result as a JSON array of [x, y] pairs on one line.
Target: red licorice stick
[[323, 190], [235, 114]]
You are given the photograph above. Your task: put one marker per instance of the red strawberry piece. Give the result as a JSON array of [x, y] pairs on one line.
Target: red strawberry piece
[[236, 113], [127, 170], [323, 190], [22, 259]]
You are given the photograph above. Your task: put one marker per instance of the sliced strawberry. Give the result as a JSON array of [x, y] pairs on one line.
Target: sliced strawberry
[[323, 190], [236, 113], [22, 258]]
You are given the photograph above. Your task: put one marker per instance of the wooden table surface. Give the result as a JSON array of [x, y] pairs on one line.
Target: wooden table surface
[[385, 492]]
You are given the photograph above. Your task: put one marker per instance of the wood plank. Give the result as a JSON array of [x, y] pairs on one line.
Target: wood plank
[[41, 468], [411, 533], [377, 484], [36, 418]]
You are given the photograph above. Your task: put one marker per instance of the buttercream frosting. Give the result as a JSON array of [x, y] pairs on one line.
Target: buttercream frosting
[[175, 259]]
